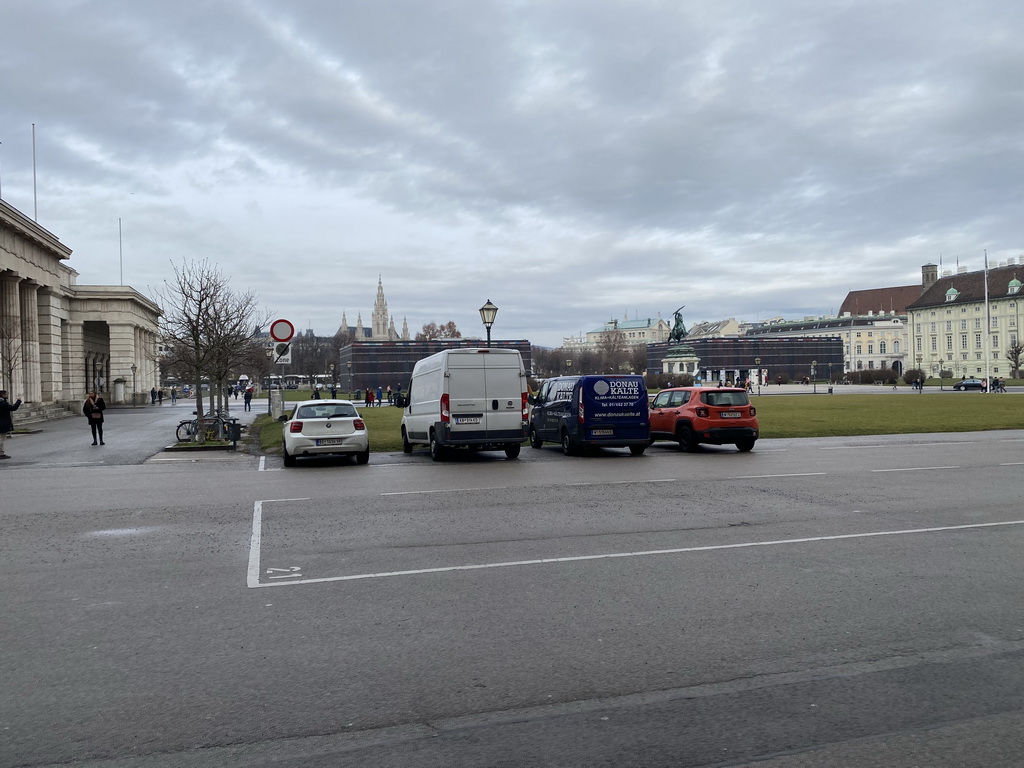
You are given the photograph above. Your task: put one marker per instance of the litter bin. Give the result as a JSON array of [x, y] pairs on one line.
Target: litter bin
[[358, 395], [830, 390], [234, 431]]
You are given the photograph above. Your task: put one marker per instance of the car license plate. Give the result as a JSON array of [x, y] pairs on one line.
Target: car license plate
[[467, 419], [599, 432], [331, 441], [731, 414]]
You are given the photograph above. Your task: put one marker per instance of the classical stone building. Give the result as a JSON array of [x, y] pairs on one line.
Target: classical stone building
[[965, 322], [639, 330], [59, 339]]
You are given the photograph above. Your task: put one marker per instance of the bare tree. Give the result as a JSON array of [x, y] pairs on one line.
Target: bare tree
[[12, 350], [613, 351], [209, 327], [310, 354], [1014, 355], [432, 331]]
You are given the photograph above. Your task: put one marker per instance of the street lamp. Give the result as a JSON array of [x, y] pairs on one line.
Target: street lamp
[[134, 370], [757, 365], [351, 388], [487, 314], [334, 381], [814, 380]]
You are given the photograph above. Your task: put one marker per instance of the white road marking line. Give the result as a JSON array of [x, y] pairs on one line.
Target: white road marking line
[[263, 464], [912, 469], [760, 477], [647, 553], [1012, 464], [255, 540], [444, 490]]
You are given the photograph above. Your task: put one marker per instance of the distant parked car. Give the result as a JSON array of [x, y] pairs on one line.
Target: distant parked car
[[291, 386], [324, 427], [965, 384]]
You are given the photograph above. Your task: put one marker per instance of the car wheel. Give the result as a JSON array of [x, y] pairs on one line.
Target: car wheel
[[363, 457], [637, 450], [512, 451], [406, 445], [567, 447], [436, 449], [289, 460], [745, 445], [687, 440], [535, 441]]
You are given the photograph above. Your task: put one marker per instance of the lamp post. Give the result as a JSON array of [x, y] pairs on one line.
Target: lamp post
[[334, 381], [351, 388], [134, 370], [487, 314], [830, 382], [814, 380], [757, 366]]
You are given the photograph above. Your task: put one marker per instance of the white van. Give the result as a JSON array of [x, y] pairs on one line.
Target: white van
[[472, 398]]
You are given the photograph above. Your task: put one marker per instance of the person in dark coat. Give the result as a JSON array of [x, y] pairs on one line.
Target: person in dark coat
[[6, 420], [93, 410]]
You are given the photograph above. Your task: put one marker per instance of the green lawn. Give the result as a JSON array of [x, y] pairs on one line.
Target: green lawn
[[829, 415], [789, 416]]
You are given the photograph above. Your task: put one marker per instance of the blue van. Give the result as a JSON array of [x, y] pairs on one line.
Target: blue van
[[595, 411]]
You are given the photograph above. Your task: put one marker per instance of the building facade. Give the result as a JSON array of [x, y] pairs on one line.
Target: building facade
[[965, 322], [648, 330], [58, 339]]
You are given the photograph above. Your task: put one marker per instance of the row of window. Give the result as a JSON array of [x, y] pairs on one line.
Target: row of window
[[881, 348], [965, 342]]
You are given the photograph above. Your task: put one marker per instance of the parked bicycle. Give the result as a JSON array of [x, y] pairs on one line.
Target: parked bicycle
[[214, 428]]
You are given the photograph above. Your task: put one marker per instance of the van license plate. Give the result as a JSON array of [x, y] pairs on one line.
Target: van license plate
[[598, 432], [731, 414], [467, 419], [331, 441]]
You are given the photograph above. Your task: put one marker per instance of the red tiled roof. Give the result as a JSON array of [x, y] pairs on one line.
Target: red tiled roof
[[885, 300]]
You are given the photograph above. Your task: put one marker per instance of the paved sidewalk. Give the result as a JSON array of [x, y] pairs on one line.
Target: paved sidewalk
[[132, 435]]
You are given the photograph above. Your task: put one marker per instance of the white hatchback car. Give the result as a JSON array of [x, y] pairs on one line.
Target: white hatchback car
[[323, 428]]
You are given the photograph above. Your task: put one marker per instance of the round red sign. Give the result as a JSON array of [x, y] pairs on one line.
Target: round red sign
[[281, 330]]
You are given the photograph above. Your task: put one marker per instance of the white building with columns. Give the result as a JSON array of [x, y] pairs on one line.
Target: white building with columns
[[58, 339]]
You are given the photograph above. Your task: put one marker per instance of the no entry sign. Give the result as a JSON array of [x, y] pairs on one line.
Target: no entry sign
[[282, 330]]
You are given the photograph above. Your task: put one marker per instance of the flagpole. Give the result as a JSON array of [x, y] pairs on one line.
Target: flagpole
[[988, 328]]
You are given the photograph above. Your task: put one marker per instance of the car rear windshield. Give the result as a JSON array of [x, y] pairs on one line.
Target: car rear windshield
[[726, 398], [325, 411]]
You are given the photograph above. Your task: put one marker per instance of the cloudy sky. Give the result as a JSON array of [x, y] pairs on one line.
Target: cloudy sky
[[571, 160]]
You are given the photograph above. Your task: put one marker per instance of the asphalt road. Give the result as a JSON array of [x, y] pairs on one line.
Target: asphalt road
[[828, 602]]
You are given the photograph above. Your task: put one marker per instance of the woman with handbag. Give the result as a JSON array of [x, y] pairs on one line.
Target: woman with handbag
[[93, 410]]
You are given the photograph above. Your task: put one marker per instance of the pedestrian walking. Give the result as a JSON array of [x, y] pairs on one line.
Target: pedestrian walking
[[160, 396], [247, 399], [380, 395], [369, 397], [391, 398], [93, 409], [174, 395], [152, 396], [6, 420]]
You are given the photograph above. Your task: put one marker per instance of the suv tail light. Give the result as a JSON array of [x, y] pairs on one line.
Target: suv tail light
[[295, 426], [446, 409], [701, 412]]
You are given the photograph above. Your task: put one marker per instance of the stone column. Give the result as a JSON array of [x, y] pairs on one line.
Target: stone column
[[74, 362], [123, 353], [11, 351], [32, 386], [51, 347]]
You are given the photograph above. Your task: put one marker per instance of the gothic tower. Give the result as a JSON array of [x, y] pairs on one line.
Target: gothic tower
[[380, 315]]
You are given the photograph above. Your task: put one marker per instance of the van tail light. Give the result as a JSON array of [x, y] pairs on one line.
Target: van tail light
[[526, 410], [295, 426], [702, 412], [359, 425], [581, 416], [446, 409], [753, 411]]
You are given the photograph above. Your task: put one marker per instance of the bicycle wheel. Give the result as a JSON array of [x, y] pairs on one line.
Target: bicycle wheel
[[185, 431]]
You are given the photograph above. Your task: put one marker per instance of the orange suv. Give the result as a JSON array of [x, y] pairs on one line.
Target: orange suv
[[695, 415]]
